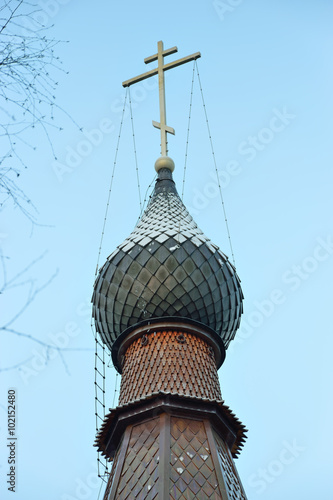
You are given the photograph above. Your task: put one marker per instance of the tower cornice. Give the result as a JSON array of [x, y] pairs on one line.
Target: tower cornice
[[229, 426]]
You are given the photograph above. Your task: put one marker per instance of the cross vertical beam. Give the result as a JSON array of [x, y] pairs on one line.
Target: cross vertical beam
[[161, 87], [161, 68]]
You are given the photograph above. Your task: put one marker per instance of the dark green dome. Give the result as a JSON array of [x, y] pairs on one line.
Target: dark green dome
[[167, 267]]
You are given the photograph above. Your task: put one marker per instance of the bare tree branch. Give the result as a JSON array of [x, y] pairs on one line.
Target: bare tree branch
[[28, 63], [21, 279]]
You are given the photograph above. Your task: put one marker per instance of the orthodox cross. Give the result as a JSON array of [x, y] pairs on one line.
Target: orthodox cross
[[159, 57]]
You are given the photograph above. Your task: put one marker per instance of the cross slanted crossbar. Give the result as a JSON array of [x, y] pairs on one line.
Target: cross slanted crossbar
[[161, 68]]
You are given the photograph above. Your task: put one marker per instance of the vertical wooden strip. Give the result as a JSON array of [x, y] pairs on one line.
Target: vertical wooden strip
[[216, 461], [120, 464], [235, 471], [164, 465]]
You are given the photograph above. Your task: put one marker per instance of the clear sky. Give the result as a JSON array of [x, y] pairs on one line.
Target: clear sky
[[266, 73]]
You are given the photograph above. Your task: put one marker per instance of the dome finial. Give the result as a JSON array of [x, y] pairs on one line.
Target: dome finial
[[164, 162], [161, 67]]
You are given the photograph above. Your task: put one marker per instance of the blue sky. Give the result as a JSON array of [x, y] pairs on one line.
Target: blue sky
[[266, 74]]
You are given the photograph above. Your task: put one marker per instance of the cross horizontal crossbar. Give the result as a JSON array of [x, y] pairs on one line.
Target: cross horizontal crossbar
[[153, 72], [165, 53]]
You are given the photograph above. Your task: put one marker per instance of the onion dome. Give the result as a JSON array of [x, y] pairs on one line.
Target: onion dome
[[167, 268]]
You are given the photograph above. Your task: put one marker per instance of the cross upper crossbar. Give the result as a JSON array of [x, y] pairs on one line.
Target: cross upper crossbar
[[161, 68]]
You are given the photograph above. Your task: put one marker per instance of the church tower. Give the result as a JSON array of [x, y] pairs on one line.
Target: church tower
[[167, 303]]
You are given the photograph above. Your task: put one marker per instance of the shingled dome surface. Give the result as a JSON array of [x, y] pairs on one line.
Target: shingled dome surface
[[167, 267]]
